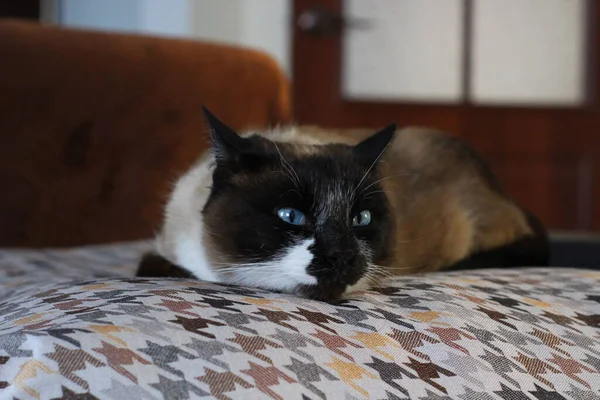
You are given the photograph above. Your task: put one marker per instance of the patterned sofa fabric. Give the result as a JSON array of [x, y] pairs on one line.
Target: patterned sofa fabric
[[74, 324]]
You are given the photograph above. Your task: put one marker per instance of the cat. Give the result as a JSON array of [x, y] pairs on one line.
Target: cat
[[322, 213]]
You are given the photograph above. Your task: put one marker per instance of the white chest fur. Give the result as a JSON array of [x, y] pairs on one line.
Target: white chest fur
[[181, 240]]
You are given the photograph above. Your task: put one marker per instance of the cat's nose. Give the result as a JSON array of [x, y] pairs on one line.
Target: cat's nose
[[341, 257]]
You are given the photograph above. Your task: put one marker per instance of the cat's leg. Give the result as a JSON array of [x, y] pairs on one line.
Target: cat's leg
[[153, 265]]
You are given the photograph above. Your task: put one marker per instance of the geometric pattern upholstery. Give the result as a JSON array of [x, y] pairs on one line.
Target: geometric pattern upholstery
[[75, 324]]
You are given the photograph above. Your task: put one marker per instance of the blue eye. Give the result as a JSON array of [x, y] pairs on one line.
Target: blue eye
[[291, 216], [363, 218]]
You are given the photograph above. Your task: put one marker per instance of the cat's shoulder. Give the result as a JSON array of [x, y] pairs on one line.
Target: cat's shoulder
[[423, 140], [434, 150]]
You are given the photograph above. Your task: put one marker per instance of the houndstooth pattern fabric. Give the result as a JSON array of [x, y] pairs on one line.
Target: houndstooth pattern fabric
[[68, 330]]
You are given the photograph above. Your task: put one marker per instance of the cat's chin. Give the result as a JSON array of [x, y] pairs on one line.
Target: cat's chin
[[334, 292], [154, 265], [322, 293], [362, 285]]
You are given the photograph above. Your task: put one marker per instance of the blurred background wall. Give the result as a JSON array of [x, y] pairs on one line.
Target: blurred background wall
[[261, 24]]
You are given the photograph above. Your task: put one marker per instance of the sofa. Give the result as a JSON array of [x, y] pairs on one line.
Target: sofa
[[94, 127]]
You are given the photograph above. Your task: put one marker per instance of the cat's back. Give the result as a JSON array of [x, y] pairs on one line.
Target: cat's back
[[432, 153]]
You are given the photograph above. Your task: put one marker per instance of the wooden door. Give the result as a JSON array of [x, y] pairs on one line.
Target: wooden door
[[547, 156]]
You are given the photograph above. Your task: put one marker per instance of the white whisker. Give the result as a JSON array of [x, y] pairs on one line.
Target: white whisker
[[383, 179], [369, 170], [294, 176]]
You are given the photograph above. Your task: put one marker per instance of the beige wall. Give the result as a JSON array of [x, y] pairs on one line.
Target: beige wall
[[261, 24]]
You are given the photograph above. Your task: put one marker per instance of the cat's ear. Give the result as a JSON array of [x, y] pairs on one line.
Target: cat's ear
[[226, 143], [373, 147]]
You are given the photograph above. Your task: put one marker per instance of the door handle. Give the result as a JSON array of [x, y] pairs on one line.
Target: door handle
[[321, 22]]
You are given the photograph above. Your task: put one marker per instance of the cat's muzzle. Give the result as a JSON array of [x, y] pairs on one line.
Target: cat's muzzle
[[334, 275]]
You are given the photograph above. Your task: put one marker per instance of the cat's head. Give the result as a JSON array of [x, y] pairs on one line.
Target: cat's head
[[303, 219]]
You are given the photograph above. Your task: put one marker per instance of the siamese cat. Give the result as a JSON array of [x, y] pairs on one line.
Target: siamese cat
[[322, 213]]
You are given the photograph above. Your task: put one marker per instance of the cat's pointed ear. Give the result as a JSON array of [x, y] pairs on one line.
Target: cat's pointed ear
[[372, 147], [225, 141]]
